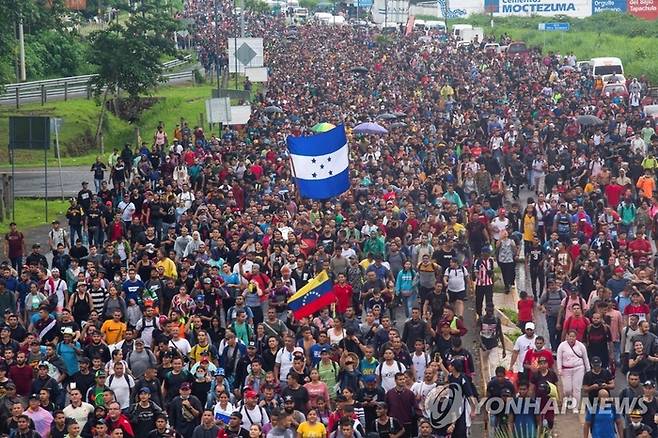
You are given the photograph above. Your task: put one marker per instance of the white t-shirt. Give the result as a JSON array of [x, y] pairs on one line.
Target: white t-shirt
[[420, 363], [456, 279], [257, 415], [121, 387], [498, 225], [284, 359], [387, 373], [420, 390], [81, 413], [522, 345], [182, 346], [221, 413]]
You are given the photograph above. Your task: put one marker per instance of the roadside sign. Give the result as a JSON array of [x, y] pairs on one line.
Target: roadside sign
[[554, 27]]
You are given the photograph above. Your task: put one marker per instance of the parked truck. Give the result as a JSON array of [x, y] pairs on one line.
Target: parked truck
[[471, 35]]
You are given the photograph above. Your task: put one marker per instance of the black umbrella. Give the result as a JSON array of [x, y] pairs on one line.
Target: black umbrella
[[359, 70], [273, 109], [397, 125], [387, 116], [589, 120]]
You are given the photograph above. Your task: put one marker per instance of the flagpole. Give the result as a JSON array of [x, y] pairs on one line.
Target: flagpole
[[294, 174]]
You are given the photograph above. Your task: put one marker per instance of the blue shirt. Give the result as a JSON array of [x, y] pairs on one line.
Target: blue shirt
[[133, 290], [69, 356], [602, 422]]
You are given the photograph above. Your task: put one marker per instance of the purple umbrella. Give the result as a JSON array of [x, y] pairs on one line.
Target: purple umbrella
[[369, 128]]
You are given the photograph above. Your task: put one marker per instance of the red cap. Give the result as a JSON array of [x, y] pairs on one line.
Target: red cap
[[251, 394]]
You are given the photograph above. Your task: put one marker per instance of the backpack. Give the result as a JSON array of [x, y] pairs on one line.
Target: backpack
[[381, 366], [125, 376]]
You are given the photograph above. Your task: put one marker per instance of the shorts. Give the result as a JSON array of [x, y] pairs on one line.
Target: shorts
[[454, 296]]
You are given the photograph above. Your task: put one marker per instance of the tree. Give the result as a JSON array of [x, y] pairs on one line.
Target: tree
[[128, 55], [37, 16]]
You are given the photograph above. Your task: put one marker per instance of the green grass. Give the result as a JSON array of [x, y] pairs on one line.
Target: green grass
[[80, 117], [513, 335], [609, 34], [31, 213], [512, 314]]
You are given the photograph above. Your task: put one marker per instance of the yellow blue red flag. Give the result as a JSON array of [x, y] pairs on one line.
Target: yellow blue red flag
[[315, 295]]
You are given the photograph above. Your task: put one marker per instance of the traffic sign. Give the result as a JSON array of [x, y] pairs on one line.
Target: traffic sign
[[554, 27]]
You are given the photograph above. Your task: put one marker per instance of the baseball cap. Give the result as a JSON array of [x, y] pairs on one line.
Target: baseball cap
[[251, 344], [596, 360], [147, 390], [649, 383], [220, 372], [288, 398], [100, 373], [530, 325], [200, 298], [369, 378], [44, 363], [34, 397], [299, 350], [251, 394], [185, 386], [207, 280]]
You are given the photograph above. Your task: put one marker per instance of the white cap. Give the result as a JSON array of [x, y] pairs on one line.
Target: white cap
[[529, 325]]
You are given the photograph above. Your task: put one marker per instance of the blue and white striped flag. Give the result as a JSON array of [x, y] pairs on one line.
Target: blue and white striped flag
[[321, 163]]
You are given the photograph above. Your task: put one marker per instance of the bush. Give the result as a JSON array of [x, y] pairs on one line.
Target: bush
[[55, 54], [512, 314]]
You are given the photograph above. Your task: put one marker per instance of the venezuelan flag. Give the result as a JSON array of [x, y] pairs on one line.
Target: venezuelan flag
[[317, 293]]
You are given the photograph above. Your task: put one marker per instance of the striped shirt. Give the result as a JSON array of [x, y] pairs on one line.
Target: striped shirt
[[98, 298], [484, 272]]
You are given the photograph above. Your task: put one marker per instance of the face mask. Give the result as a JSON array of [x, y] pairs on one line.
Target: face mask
[[200, 375], [636, 424]]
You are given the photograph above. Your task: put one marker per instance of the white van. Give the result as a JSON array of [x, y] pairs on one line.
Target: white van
[[419, 25], [435, 25], [458, 28], [606, 67]]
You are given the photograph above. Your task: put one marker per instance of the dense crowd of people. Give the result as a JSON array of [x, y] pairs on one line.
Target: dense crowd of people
[[158, 305]]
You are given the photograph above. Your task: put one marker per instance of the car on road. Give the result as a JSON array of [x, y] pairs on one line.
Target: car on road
[[615, 89], [517, 49]]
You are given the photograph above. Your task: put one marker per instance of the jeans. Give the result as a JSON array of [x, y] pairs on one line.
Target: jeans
[[97, 184], [509, 274], [157, 224], [482, 293], [95, 235], [537, 276], [75, 230], [553, 333], [409, 302], [17, 263]]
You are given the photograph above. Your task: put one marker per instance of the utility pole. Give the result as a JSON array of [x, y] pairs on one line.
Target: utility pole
[[385, 13], [21, 52]]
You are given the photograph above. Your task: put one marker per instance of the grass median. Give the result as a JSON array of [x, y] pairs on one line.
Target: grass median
[[80, 119], [31, 213]]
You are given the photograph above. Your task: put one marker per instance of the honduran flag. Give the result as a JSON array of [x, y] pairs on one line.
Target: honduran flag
[[321, 163], [314, 296]]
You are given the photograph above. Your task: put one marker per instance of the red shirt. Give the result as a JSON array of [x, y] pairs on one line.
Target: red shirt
[[577, 324], [639, 248], [343, 296], [613, 193], [525, 309], [641, 310], [532, 356]]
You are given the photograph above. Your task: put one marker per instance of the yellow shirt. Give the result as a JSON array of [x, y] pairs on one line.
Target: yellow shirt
[[528, 228], [113, 331], [306, 430], [169, 268], [365, 263]]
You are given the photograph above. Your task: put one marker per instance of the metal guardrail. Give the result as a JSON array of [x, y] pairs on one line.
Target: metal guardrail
[[73, 86]]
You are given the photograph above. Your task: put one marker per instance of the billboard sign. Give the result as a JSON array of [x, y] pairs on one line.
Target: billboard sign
[[608, 6], [572, 8], [644, 9]]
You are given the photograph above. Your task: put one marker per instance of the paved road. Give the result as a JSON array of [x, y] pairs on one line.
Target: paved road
[[32, 182]]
